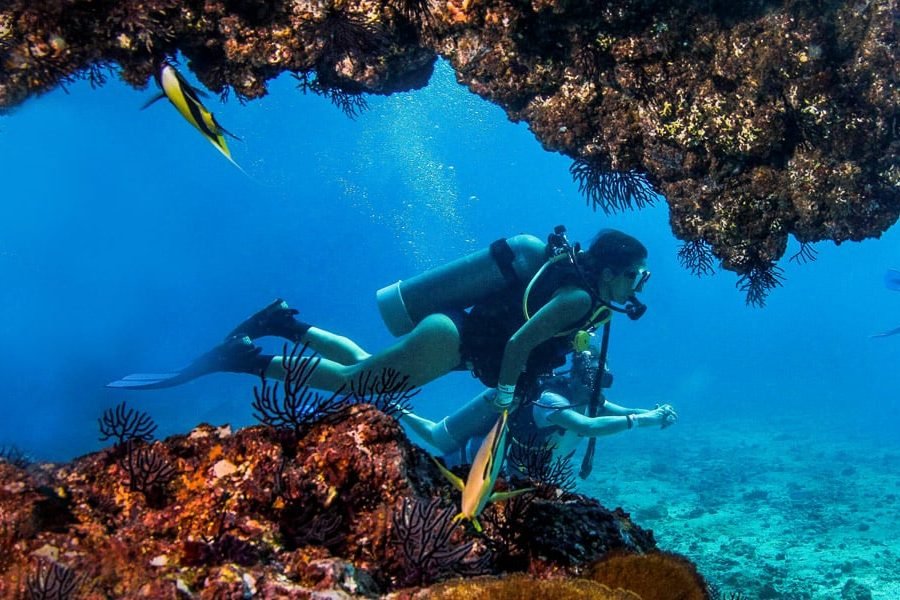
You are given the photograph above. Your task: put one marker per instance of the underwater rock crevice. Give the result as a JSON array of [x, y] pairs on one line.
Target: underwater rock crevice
[[757, 121]]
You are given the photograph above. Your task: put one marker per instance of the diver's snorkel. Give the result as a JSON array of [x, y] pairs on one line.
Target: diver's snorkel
[[633, 308]]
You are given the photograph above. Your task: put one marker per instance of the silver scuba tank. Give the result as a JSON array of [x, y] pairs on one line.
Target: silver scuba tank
[[460, 283]]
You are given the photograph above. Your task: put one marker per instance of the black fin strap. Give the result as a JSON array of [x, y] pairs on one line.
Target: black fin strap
[[587, 464], [504, 256]]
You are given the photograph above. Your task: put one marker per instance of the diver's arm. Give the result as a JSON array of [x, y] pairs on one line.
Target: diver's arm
[[566, 307], [599, 426], [620, 411], [663, 413], [576, 422]]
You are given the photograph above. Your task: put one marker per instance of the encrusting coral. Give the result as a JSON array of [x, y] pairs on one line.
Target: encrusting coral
[[652, 576], [523, 587], [347, 505], [757, 120]]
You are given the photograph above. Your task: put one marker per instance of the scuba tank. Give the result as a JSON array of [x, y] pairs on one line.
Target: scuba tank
[[461, 283]]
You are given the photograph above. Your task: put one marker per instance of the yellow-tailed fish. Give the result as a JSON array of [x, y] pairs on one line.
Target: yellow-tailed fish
[[186, 99], [478, 488]]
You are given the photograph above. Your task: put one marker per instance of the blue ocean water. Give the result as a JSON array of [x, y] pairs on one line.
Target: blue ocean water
[[128, 244]]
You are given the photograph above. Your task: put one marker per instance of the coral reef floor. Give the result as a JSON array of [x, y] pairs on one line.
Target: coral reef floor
[[779, 507]]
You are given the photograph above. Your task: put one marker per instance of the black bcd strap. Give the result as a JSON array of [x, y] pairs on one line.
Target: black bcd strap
[[504, 256]]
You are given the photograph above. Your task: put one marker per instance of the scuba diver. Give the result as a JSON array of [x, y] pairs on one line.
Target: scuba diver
[[552, 414], [508, 313]]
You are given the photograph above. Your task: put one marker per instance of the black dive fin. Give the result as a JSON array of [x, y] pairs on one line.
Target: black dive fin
[[149, 381], [236, 355]]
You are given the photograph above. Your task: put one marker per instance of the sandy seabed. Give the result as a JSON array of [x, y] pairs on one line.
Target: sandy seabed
[[777, 508]]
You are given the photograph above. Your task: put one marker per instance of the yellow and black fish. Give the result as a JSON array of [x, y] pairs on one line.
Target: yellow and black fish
[[186, 99], [478, 489]]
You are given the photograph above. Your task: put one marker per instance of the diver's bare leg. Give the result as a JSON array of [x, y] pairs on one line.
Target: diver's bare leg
[[432, 432], [472, 420], [427, 352], [333, 347]]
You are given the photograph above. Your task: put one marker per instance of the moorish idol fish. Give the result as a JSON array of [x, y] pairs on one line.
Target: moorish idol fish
[[186, 99], [479, 485]]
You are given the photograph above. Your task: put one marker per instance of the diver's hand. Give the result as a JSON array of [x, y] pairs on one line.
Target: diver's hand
[[663, 415], [670, 418]]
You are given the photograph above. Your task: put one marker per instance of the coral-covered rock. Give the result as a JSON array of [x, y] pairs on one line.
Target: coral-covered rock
[[517, 587], [349, 507], [757, 120], [652, 576]]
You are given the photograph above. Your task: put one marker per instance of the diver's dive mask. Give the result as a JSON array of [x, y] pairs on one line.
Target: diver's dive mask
[[644, 277]]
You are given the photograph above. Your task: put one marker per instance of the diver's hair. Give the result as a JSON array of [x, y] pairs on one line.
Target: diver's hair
[[612, 249]]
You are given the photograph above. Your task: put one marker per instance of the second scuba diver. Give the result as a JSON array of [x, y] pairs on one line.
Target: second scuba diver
[[553, 414], [509, 314]]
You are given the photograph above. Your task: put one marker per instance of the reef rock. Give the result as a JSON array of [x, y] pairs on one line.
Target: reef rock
[[757, 120], [349, 507]]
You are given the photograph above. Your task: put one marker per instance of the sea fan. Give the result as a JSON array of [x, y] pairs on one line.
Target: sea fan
[[509, 532], [697, 256], [759, 281], [390, 392], [537, 463], [611, 191], [806, 254], [418, 12], [148, 470], [423, 530], [298, 407], [125, 424], [52, 581], [14, 456], [352, 104]]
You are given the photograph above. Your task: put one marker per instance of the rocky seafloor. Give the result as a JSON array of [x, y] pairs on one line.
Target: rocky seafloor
[[781, 506], [345, 508]]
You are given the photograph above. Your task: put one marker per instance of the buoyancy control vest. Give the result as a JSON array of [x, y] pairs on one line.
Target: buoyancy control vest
[[492, 322], [523, 428]]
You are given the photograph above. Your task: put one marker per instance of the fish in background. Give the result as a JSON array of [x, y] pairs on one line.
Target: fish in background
[[891, 282], [186, 98]]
